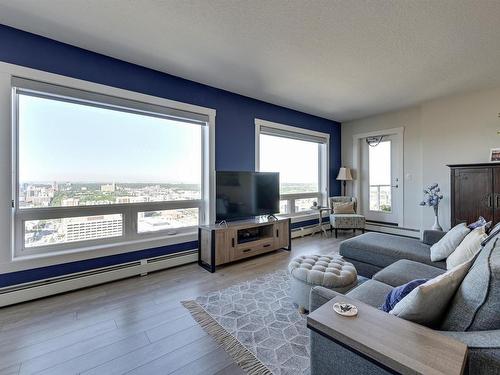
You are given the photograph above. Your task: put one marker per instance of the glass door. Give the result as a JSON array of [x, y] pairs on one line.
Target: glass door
[[379, 179]]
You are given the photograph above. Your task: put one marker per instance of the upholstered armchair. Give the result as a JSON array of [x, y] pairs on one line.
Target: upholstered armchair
[[345, 220]]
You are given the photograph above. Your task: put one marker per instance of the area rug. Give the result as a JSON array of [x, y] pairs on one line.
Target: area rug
[[257, 324]]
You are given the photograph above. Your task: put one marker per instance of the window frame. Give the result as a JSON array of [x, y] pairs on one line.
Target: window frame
[[323, 140], [145, 105]]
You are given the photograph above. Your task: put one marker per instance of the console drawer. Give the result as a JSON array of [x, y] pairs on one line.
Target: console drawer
[[252, 248]]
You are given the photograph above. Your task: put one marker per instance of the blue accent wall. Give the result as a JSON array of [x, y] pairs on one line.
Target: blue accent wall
[[234, 130]]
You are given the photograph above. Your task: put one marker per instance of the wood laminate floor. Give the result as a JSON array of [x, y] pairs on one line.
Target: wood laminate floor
[[132, 326]]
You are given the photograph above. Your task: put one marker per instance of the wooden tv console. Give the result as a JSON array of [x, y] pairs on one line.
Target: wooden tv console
[[221, 244]]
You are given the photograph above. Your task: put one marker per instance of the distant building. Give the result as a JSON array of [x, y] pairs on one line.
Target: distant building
[[69, 202], [92, 227], [108, 188]]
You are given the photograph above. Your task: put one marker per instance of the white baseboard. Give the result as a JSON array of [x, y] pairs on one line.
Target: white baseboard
[[48, 287]]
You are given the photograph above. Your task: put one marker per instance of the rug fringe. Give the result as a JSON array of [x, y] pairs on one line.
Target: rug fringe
[[241, 355]]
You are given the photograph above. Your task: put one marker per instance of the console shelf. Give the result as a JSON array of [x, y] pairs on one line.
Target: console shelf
[[241, 239]]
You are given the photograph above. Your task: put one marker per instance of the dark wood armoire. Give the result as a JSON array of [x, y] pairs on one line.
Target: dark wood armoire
[[475, 191]]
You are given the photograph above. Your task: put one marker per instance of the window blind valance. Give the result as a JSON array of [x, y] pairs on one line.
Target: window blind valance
[[51, 91], [267, 130]]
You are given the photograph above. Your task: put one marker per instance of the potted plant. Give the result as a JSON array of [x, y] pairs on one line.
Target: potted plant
[[432, 197]]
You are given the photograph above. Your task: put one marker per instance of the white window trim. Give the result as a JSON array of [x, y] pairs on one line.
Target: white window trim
[[117, 244], [323, 165]]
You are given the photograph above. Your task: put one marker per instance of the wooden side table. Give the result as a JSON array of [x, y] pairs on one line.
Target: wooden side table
[[320, 210], [391, 343]]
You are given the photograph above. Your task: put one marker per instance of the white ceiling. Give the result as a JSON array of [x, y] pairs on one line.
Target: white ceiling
[[339, 59]]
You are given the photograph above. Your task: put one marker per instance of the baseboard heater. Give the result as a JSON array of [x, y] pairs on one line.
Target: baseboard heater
[[375, 226], [38, 289]]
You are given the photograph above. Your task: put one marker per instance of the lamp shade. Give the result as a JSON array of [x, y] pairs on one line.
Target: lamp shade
[[344, 174]]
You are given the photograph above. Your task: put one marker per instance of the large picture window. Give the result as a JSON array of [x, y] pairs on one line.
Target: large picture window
[[300, 156], [93, 169]]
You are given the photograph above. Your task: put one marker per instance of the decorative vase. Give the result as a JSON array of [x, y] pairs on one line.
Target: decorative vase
[[436, 225]]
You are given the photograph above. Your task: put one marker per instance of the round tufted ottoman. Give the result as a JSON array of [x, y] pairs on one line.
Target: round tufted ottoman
[[330, 271]]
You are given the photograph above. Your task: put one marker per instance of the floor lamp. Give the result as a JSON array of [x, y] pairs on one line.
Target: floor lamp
[[344, 176]]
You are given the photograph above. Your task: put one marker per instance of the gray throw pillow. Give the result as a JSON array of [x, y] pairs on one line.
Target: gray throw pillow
[[427, 303], [446, 245]]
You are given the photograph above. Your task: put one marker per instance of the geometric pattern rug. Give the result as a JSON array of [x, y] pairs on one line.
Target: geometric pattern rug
[[257, 324]]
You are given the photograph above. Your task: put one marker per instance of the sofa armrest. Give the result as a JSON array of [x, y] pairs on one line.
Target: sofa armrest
[[430, 237], [484, 350], [477, 339], [389, 341], [319, 296]]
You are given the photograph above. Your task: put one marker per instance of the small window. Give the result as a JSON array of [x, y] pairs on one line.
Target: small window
[[154, 221], [46, 232], [300, 157]]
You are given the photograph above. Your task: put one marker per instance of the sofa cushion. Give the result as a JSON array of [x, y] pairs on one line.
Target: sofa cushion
[[371, 292], [347, 221], [447, 245], [427, 303], [404, 270], [382, 250], [476, 304]]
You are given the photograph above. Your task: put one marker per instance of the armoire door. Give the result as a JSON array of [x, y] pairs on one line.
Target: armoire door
[[473, 194], [496, 195]]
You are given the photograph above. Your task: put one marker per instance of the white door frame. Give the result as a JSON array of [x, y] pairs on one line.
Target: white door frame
[[356, 161]]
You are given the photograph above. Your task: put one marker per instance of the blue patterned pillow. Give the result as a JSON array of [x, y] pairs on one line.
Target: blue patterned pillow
[[478, 223], [399, 292]]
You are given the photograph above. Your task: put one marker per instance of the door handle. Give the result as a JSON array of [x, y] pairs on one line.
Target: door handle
[[490, 200], [395, 186], [232, 241], [497, 200]]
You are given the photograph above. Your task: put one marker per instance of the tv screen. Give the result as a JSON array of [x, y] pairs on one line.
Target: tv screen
[[244, 194]]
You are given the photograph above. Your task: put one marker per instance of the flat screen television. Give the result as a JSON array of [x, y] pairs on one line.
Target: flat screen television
[[242, 195]]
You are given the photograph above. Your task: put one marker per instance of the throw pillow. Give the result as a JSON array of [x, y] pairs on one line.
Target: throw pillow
[[468, 248], [399, 292], [446, 245], [492, 234], [346, 208], [427, 302], [478, 223]]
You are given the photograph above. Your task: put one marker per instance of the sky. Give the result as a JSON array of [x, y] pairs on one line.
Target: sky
[[297, 161], [61, 141]]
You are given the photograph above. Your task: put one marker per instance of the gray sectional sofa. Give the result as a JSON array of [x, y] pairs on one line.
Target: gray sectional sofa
[[473, 315], [373, 251]]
